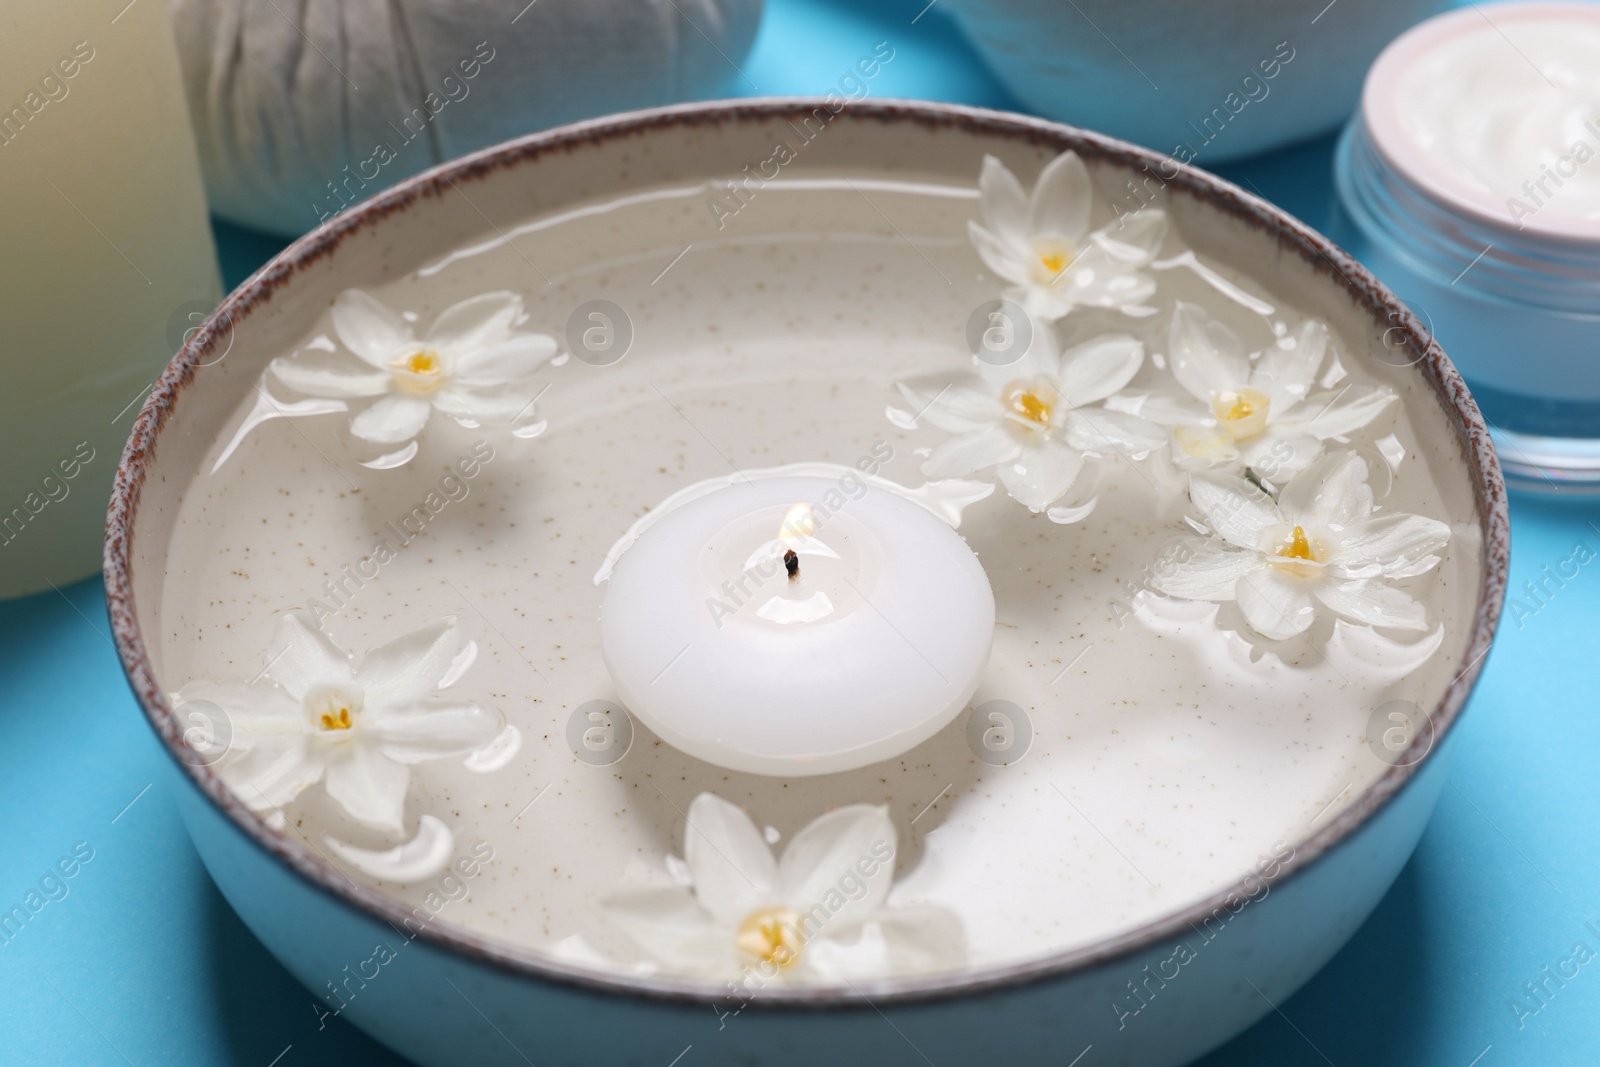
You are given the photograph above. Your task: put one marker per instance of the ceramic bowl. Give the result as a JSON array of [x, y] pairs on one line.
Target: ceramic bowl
[[1205, 83], [462, 996]]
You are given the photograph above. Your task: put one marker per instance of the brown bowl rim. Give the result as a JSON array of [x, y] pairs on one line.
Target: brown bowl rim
[[1292, 236]]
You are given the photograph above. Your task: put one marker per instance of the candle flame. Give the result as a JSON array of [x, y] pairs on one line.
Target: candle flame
[[798, 525]]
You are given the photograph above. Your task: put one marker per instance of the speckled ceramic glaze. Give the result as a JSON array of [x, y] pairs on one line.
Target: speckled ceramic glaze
[[1173, 784]]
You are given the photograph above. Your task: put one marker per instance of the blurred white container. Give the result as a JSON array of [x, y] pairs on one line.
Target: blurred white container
[[1227, 79], [107, 255]]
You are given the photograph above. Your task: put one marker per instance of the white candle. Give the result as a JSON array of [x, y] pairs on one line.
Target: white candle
[[873, 644]]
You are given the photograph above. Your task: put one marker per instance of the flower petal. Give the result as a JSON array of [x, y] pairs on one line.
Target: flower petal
[[1396, 542], [1167, 409], [1278, 457], [973, 452], [1135, 238], [504, 361], [1203, 443], [1277, 606], [474, 322], [432, 729], [1062, 198], [1333, 491], [922, 938], [330, 374], [410, 667], [574, 948], [670, 927], [370, 328], [1093, 371], [997, 255], [1201, 569], [1002, 204], [1206, 356], [1042, 303], [1345, 412], [733, 870], [916, 939], [370, 786], [1285, 374], [1097, 280], [269, 776], [1041, 475], [832, 858], [1100, 430], [1373, 603], [477, 407], [391, 421], [301, 656], [1043, 357], [958, 405], [221, 719], [1235, 509]]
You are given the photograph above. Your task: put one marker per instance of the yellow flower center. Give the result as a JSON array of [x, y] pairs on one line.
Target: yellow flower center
[[1299, 553], [1242, 413], [1052, 256], [419, 373], [333, 710], [771, 935], [1031, 405], [1295, 546]]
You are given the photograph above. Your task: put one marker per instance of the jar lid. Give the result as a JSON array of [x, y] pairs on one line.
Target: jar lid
[[1419, 112]]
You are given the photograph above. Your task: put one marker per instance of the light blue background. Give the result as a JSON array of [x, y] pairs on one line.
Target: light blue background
[[144, 964]]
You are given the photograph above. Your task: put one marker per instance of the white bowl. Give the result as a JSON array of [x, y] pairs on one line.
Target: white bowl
[[459, 995]]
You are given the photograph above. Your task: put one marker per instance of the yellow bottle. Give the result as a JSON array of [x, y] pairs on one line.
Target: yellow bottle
[[105, 259]]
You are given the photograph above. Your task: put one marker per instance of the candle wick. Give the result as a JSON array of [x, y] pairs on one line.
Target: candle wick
[[791, 563]]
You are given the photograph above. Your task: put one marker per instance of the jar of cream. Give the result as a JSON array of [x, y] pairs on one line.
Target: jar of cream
[[1470, 183]]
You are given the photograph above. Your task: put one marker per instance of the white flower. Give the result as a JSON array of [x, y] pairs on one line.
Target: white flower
[[1041, 242], [317, 718], [471, 365], [1035, 421], [1318, 543], [1262, 416], [818, 914]]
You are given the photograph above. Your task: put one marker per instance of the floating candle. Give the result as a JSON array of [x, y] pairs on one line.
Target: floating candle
[[768, 627]]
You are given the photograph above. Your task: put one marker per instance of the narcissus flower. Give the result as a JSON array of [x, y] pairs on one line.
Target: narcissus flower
[[819, 914], [314, 717], [1041, 242], [1318, 545], [1037, 421], [1266, 415], [471, 364]]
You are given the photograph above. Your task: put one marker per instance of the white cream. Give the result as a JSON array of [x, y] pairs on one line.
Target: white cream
[[1512, 109]]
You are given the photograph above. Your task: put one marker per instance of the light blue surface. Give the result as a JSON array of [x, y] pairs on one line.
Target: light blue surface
[[142, 962]]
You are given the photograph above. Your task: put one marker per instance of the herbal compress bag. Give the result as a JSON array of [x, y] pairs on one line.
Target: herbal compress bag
[[301, 109]]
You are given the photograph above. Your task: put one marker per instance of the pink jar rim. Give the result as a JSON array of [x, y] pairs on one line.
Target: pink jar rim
[[1380, 114]]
